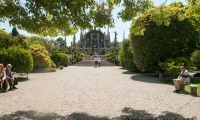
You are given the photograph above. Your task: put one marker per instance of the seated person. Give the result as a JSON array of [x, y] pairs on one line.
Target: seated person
[[3, 84], [11, 80], [182, 79]]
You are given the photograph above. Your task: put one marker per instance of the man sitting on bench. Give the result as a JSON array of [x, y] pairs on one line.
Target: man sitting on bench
[[182, 79], [11, 80]]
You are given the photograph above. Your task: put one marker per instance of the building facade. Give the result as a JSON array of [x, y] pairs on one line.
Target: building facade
[[95, 41]]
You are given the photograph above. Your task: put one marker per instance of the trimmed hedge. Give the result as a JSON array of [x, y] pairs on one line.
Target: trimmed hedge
[[20, 58], [60, 59]]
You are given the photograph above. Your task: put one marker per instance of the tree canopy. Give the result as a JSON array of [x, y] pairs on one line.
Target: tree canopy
[[53, 17], [156, 42], [65, 17]]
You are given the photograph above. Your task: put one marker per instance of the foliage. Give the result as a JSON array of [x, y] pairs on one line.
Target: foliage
[[161, 42], [62, 44], [20, 58], [40, 57], [60, 59], [127, 58], [20, 40], [181, 61], [112, 57], [65, 17], [7, 40], [171, 71], [195, 57], [50, 45], [56, 17], [121, 56], [2, 31], [15, 32], [132, 8], [78, 56], [171, 67]]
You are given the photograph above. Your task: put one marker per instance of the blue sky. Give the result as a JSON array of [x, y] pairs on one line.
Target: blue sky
[[120, 26]]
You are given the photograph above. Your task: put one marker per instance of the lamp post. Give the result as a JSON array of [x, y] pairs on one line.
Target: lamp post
[[116, 55], [72, 52]]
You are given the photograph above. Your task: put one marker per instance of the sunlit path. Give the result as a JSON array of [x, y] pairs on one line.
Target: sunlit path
[[96, 93]]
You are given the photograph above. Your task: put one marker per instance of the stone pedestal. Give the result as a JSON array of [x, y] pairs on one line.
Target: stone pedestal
[[61, 67], [182, 87], [161, 75], [193, 89]]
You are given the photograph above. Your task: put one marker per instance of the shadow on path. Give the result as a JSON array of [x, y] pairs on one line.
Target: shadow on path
[[146, 78], [128, 114]]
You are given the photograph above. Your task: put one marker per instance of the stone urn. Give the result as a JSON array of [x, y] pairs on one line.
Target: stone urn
[[161, 75]]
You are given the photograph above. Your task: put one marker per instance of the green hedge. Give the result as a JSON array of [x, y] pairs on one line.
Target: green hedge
[[196, 58], [60, 59], [21, 59]]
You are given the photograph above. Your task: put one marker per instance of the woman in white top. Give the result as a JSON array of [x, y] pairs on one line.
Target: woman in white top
[[2, 79], [96, 60]]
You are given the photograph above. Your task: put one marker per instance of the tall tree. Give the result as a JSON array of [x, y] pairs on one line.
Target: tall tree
[[62, 44], [153, 43], [15, 32]]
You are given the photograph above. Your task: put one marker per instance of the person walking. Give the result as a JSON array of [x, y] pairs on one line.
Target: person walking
[[96, 61]]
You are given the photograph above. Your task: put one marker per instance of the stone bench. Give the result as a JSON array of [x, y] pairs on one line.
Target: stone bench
[[193, 88]]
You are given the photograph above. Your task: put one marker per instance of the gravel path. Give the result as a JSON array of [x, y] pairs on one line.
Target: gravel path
[[88, 93]]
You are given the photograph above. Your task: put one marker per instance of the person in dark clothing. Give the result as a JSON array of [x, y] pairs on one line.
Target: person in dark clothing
[[11, 80]]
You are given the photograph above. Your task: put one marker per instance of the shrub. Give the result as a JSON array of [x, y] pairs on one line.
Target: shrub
[[20, 58], [182, 61], [60, 59], [171, 70], [160, 42], [107, 55], [7, 40], [121, 60], [20, 40], [40, 57], [196, 75], [172, 67], [195, 57], [126, 56]]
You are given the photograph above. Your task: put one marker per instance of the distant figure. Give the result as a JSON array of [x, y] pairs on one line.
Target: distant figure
[[96, 61], [96, 54], [99, 61], [91, 56]]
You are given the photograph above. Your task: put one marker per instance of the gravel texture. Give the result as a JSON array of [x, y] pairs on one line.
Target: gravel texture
[[88, 93]]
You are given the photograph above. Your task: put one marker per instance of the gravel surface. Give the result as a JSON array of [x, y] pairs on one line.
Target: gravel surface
[[88, 93]]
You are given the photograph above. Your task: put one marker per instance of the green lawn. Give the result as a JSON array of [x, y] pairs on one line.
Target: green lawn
[[43, 70], [194, 81], [22, 79]]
